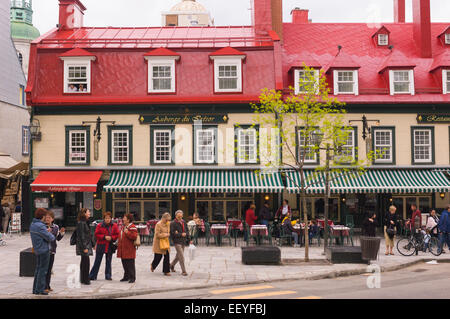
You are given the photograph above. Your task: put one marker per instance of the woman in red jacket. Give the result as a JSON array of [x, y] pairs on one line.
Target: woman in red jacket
[[126, 249], [250, 216], [106, 233]]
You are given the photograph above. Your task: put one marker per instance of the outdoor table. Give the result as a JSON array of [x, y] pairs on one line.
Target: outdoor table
[[258, 231], [236, 225], [219, 230], [321, 223], [341, 231], [300, 229], [143, 232]]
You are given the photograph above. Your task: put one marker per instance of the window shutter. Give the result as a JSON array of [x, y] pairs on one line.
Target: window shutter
[[317, 84], [444, 82], [296, 81], [391, 82], [411, 82], [335, 82], [355, 74]]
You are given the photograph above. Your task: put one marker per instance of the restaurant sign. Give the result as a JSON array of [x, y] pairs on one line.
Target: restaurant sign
[[433, 118], [183, 119]]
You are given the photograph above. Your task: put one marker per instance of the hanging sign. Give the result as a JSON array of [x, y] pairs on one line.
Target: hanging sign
[[433, 118], [183, 119]]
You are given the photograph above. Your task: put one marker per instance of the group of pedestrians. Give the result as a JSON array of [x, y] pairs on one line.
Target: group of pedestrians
[[109, 240]]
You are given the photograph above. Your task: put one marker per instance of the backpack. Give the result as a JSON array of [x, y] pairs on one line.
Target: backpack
[[73, 238]]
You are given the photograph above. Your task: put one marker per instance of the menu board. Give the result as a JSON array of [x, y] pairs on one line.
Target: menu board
[[41, 203], [88, 201]]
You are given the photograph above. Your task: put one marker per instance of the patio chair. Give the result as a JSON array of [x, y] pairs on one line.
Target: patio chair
[[315, 235], [331, 238], [285, 236], [349, 237], [207, 233], [229, 234]]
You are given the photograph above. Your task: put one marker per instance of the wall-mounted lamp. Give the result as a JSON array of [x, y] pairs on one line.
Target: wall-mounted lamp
[[35, 130], [442, 195], [52, 195], [343, 199], [390, 199], [183, 197], [95, 195], [266, 198]]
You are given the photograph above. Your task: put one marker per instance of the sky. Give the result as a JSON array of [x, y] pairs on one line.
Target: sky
[[133, 13]]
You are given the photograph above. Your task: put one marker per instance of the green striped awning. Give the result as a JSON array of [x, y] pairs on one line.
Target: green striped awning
[[178, 181], [373, 181]]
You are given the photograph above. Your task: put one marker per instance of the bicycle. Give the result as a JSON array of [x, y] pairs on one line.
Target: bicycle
[[414, 243], [2, 242]]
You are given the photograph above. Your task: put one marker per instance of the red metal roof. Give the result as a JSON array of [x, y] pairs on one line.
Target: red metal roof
[[447, 30], [76, 52], [227, 51], [396, 59], [155, 37], [342, 61], [161, 52], [307, 59], [321, 40], [441, 61]]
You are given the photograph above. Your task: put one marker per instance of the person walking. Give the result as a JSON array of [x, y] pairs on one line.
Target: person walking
[[180, 238], [265, 214], [283, 210], [370, 225], [6, 217], [444, 228], [106, 234], [432, 223], [390, 228], [126, 249], [250, 220], [41, 239], [161, 245], [59, 234], [84, 244]]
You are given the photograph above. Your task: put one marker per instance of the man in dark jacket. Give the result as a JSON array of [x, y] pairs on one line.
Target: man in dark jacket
[[41, 239], [180, 238], [444, 228], [264, 214], [289, 229]]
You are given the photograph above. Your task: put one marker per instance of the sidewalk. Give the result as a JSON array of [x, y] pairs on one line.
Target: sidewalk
[[211, 267]]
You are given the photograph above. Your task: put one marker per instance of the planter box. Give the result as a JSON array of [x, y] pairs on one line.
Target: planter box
[[261, 255], [345, 255]]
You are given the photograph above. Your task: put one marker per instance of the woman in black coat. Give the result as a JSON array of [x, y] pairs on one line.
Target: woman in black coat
[[370, 225], [390, 222], [84, 244]]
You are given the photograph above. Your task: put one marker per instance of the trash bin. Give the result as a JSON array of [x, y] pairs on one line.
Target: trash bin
[[27, 263], [369, 248]]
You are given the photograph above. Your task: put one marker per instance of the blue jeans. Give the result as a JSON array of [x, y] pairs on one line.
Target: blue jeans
[[444, 238], [295, 235], [40, 273], [96, 267]]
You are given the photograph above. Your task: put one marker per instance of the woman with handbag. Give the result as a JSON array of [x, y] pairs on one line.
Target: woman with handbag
[[106, 234], [84, 244], [390, 229], [161, 244], [126, 249]]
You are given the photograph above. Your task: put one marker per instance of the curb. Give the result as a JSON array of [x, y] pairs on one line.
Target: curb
[[332, 274]]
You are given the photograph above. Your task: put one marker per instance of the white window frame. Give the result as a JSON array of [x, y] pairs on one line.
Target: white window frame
[[355, 82], [297, 76], [446, 81], [252, 158], [77, 62], [353, 148], [390, 145], [302, 146], [84, 132], [411, 82], [197, 146], [169, 161], [154, 61], [447, 38], [430, 145], [113, 147], [383, 39], [26, 137], [228, 61]]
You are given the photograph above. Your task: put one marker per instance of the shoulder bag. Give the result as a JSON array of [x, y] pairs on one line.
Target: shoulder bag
[[164, 243]]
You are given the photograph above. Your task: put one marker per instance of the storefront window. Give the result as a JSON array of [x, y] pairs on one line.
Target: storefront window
[[425, 204], [120, 209], [232, 209], [135, 195], [217, 211], [409, 202], [120, 195], [150, 210], [164, 207], [149, 195], [221, 195], [202, 209], [135, 210], [164, 195]]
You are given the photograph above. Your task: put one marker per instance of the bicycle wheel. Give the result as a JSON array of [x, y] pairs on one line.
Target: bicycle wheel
[[434, 246], [406, 247]]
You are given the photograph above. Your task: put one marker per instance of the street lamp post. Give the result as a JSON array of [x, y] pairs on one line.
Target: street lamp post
[[327, 196]]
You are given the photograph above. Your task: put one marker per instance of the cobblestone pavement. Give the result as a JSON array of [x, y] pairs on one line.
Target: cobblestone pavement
[[212, 266]]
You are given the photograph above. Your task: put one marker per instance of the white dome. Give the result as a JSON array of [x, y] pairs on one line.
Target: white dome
[[188, 6]]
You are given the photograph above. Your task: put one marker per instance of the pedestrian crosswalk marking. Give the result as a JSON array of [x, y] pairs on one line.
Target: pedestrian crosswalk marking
[[265, 294], [227, 291], [309, 297]]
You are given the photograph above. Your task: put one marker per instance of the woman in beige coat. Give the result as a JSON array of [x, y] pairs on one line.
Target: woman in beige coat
[[162, 230]]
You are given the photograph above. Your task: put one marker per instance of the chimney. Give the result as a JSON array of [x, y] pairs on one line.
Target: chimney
[[300, 16], [268, 15], [399, 11], [422, 27], [71, 13]]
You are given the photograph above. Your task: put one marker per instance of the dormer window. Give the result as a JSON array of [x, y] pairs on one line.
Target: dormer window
[[345, 82], [227, 70], [401, 81], [306, 80], [447, 38], [77, 71], [161, 70], [446, 81], [383, 39]]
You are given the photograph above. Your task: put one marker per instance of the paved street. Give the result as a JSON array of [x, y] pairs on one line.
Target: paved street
[[212, 267], [421, 281]]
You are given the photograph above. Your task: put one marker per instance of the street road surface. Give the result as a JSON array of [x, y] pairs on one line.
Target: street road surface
[[422, 281]]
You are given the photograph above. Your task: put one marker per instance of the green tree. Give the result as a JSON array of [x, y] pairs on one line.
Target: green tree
[[307, 124]]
